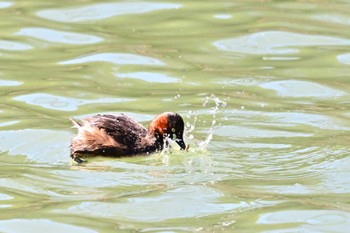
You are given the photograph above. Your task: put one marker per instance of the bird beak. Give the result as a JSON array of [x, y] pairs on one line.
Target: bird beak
[[181, 143]]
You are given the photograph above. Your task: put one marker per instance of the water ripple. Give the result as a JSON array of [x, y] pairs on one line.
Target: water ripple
[[268, 151], [276, 42], [4, 197], [38, 225], [247, 132], [59, 36], [8, 83], [39, 145], [290, 119], [309, 220], [115, 58], [191, 201], [5, 4], [61, 103], [14, 46], [103, 11], [8, 123], [344, 58], [148, 77], [296, 88], [333, 18]]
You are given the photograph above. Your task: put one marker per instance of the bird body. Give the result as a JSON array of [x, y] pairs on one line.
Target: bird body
[[119, 135]]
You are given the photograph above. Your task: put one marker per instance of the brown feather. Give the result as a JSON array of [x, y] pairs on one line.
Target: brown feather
[[119, 135], [91, 138]]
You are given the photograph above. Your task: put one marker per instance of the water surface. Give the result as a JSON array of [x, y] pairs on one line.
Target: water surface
[[263, 87]]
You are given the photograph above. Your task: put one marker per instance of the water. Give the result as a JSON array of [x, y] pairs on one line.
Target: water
[[263, 87]]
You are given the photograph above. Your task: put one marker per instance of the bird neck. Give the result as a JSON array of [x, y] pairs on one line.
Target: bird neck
[[157, 129], [159, 125]]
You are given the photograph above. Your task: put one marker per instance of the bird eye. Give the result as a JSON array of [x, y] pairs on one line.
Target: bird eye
[[173, 130]]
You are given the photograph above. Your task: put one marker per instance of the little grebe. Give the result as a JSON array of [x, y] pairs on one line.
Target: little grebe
[[119, 135]]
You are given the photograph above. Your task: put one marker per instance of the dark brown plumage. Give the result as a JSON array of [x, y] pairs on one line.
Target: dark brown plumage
[[119, 135]]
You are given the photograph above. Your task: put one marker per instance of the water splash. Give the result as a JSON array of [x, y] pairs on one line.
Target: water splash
[[216, 105], [212, 106]]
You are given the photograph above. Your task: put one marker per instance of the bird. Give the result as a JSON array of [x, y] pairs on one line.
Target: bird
[[120, 136]]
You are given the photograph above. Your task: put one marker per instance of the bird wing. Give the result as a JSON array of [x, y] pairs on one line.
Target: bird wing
[[124, 130]]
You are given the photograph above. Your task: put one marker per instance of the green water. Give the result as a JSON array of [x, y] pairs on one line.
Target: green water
[[263, 87]]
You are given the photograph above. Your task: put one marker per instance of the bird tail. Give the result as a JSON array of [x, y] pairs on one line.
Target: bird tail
[[76, 123]]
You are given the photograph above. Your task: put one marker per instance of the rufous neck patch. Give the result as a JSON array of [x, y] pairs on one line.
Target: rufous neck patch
[[159, 124]]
